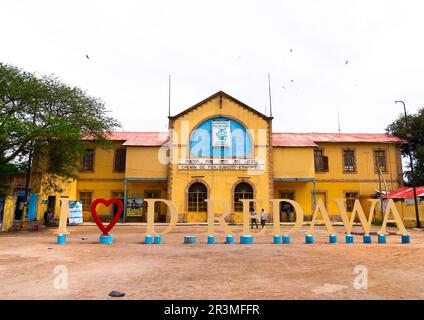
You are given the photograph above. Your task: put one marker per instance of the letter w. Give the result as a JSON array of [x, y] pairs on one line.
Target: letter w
[[357, 209]]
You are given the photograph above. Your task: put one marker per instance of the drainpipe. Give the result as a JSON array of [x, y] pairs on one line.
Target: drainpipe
[[124, 214]]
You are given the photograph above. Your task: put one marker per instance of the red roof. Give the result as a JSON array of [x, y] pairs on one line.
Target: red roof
[[404, 192], [279, 139], [288, 139], [291, 140], [136, 138], [147, 139]]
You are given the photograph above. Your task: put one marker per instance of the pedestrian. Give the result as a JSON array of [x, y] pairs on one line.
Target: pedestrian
[[47, 216], [288, 209], [263, 218], [254, 221]]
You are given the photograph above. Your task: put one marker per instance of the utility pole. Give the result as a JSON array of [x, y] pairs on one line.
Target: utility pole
[[28, 177], [269, 94], [414, 187]]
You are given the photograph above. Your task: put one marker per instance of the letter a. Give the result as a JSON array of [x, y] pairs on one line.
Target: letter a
[[321, 208], [391, 207]]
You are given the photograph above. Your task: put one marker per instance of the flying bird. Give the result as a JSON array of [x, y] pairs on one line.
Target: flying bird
[[346, 62], [87, 56], [291, 50]]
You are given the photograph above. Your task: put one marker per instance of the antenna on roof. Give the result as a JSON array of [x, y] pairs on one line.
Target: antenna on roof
[[269, 93], [338, 121], [169, 96]]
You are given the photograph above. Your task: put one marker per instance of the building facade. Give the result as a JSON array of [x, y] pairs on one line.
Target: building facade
[[222, 149]]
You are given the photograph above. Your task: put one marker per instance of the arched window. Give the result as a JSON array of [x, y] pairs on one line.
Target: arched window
[[197, 193], [220, 137], [242, 191]]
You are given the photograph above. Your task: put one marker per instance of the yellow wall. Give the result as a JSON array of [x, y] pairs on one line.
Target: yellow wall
[[8, 213], [365, 171], [293, 162], [407, 212], [302, 193], [100, 189], [103, 164], [142, 162]]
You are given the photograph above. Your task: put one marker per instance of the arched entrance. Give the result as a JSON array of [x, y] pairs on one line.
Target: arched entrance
[[196, 205], [242, 190]]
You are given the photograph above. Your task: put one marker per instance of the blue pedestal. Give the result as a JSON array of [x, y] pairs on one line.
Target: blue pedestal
[[157, 239], [332, 238], [211, 239], [229, 239], [349, 238], [148, 239], [381, 238], [309, 239], [61, 239], [286, 239], [277, 239], [367, 239], [106, 239], [405, 238], [246, 239], [190, 239]]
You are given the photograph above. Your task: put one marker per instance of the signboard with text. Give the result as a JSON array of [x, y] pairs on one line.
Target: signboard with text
[[75, 212], [221, 133]]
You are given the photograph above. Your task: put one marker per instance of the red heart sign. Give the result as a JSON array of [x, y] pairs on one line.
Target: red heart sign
[[96, 218]]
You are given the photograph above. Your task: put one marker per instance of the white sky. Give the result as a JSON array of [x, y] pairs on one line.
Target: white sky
[[228, 45]]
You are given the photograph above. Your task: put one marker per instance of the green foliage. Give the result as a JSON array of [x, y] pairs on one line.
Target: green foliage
[[414, 133], [49, 117]]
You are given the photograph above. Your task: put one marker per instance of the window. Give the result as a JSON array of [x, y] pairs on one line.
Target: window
[[85, 197], [287, 195], [320, 161], [350, 200], [349, 160], [380, 160], [119, 162], [243, 191], [197, 193], [87, 161]]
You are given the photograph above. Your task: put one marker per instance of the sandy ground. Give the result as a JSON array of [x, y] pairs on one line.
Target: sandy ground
[[174, 270]]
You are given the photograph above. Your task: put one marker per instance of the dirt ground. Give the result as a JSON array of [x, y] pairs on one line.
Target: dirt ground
[[31, 262]]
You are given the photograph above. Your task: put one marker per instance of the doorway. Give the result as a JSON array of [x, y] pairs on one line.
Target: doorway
[[120, 196], [160, 211], [287, 213], [20, 204], [51, 204]]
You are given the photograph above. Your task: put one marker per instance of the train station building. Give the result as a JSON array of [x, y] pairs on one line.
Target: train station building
[[223, 149]]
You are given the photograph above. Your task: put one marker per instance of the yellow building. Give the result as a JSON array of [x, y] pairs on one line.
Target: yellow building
[[223, 149]]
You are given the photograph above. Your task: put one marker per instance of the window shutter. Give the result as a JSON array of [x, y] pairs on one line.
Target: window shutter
[[325, 163]]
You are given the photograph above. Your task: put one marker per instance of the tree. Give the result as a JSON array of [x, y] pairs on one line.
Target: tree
[[414, 133], [49, 119]]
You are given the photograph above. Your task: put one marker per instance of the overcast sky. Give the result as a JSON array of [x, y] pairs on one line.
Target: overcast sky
[[209, 46]]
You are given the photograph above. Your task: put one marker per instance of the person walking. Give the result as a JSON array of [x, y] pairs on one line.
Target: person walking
[[47, 216], [254, 219], [263, 218]]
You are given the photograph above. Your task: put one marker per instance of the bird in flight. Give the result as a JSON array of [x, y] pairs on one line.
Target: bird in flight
[[87, 56], [291, 50], [346, 62]]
